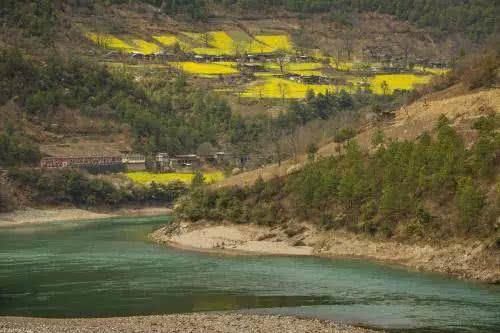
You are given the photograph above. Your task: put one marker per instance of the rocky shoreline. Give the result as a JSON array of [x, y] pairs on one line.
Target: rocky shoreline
[[470, 260], [181, 323]]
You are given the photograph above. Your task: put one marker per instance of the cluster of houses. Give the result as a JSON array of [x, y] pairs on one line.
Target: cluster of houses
[[166, 55], [163, 162], [392, 61]]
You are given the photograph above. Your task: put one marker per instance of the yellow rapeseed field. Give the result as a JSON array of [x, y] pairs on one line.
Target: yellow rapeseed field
[[273, 87], [397, 81], [167, 40], [144, 47], [110, 42], [270, 43], [207, 68], [165, 178]]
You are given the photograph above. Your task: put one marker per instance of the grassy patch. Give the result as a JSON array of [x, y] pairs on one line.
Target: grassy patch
[[165, 178], [207, 68]]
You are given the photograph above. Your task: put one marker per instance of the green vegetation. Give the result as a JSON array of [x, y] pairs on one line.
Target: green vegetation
[[16, 149], [475, 18], [164, 116], [388, 193], [80, 189], [35, 18]]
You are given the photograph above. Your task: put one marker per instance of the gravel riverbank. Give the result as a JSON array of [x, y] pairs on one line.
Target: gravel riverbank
[[184, 323]]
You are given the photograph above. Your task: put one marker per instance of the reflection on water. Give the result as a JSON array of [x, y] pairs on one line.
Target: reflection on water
[[108, 268]]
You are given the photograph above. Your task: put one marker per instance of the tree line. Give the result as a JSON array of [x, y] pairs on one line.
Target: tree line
[[83, 190], [433, 187]]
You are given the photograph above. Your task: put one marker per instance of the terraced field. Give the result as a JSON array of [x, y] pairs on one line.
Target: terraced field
[[209, 43], [269, 81]]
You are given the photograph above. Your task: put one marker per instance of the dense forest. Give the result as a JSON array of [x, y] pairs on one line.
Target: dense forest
[[475, 18], [434, 187]]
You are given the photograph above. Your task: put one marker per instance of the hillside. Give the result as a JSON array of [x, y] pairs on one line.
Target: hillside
[[108, 78], [462, 108]]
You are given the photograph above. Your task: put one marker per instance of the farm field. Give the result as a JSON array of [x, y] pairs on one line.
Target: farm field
[[219, 68], [268, 83], [397, 81], [210, 43], [165, 178], [274, 87], [110, 42]]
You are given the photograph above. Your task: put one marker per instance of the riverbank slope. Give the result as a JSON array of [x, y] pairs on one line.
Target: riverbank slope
[[37, 216], [194, 323], [465, 260]]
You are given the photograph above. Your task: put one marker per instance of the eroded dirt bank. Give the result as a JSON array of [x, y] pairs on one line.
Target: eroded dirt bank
[[466, 260]]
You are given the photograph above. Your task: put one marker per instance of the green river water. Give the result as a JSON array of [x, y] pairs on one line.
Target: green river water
[[109, 268]]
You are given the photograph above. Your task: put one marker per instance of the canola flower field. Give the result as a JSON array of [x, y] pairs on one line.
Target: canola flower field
[[146, 178], [274, 87], [209, 43], [269, 83], [397, 81], [218, 68]]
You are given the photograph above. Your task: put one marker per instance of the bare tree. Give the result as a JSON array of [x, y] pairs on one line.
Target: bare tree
[[348, 44], [206, 38], [385, 87], [282, 60], [283, 88]]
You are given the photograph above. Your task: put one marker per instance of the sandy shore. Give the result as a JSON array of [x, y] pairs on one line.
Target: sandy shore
[[229, 238], [33, 216], [466, 260], [192, 323]]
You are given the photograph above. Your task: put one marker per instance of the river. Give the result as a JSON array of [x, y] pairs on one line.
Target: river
[[109, 268]]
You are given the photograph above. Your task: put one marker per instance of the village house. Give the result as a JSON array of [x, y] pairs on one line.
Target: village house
[[185, 162], [162, 162], [134, 162]]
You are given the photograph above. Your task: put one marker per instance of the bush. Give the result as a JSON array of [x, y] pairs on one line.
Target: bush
[[344, 134]]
